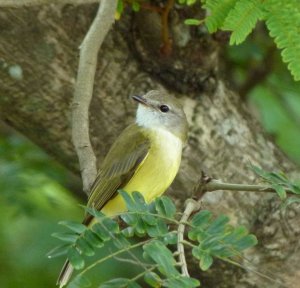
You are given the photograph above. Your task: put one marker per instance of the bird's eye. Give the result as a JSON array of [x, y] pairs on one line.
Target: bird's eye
[[164, 108]]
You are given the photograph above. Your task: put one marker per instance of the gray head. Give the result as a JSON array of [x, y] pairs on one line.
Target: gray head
[[158, 110]]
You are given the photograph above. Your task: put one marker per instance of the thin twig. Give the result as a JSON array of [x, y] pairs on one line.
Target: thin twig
[[120, 259], [143, 273], [275, 281], [84, 90], [215, 185], [191, 206], [24, 3], [112, 255], [166, 41]]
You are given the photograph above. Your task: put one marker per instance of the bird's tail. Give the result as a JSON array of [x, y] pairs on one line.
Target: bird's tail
[[65, 274]]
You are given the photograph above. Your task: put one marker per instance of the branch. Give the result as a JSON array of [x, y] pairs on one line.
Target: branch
[[22, 3], [215, 185], [166, 41], [84, 90], [191, 206]]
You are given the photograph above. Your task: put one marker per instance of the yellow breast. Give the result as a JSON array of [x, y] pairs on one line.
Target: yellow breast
[[155, 174]]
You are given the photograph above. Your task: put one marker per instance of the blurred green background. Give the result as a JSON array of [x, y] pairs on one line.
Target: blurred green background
[[34, 196]]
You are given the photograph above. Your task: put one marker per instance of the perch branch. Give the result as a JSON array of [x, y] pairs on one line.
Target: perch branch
[[22, 3], [215, 185], [190, 207], [84, 90]]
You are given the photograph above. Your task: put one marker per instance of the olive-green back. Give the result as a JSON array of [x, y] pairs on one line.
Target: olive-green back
[[119, 165]]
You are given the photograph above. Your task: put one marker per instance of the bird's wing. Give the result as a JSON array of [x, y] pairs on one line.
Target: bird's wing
[[118, 167]]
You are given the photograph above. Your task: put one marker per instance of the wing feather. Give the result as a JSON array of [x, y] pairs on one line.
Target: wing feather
[[118, 167]]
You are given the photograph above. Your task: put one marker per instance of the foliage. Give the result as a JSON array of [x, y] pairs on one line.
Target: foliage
[[283, 21], [282, 18], [32, 200], [273, 95], [281, 184], [156, 224], [135, 6], [20, 163]]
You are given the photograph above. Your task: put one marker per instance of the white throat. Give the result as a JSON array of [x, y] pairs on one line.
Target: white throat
[[150, 119], [147, 118]]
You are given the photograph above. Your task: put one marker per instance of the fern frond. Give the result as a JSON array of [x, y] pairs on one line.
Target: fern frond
[[218, 10], [283, 22], [242, 19]]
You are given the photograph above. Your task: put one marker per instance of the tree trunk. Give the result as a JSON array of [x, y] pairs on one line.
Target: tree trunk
[[39, 56]]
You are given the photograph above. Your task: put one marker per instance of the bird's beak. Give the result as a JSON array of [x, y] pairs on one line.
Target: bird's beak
[[141, 100]]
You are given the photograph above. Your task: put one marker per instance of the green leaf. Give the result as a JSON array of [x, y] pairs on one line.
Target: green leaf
[[235, 235], [202, 218], [246, 242], [133, 285], [218, 225], [295, 188], [260, 172], [280, 191], [93, 239], [162, 256], [205, 261], [128, 200], [280, 177], [200, 221], [110, 225], [120, 241], [165, 207], [119, 283], [97, 214], [191, 21], [218, 11], [74, 226], [190, 2], [223, 251], [140, 228], [128, 232], [217, 238], [58, 251], [242, 19], [181, 282], [79, 281], [283, 22], [149, 219], [66, 237], [158, 230], [152, 279], [101, 232], [196, 252], [170, 238], [279, 182], [289, 201], [130, 219], [84, 247], [75, 258], [139, 201], [212, 240], [120, 6], [135, 6]]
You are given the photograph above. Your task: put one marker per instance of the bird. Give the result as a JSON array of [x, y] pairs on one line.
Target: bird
[[145, 158]]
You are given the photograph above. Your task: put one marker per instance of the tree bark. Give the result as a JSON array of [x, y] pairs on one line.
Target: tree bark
[[38, 62]]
